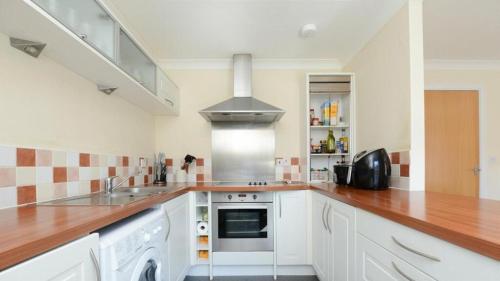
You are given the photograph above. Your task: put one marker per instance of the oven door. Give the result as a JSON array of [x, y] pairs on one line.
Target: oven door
[[242, 227]]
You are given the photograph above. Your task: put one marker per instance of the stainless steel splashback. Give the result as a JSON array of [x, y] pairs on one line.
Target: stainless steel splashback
[[242, 151]]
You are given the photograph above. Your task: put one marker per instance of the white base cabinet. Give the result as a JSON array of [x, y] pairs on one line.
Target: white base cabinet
[[343, 225], [321, 237], [76, 261], [178, 247], [291, 230]]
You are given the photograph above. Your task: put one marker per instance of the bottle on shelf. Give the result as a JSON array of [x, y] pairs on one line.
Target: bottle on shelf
[[330, 142], [344, 142], [333, 113]]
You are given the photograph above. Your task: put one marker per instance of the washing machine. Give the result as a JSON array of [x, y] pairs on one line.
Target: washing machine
[[135, 248]]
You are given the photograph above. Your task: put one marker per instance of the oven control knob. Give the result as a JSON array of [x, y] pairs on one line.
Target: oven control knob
[[254, 183], [260, 183], [254, 197], [249, 183], [265, 183], [230, 197]]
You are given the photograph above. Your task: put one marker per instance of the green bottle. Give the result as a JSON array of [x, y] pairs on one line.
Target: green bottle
[[330, 142]]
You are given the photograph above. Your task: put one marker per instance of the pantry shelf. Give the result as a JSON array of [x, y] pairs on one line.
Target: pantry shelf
[[330, 154], [332, 127]]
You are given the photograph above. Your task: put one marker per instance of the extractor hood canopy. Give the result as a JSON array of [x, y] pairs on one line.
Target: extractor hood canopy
[[242, 107]]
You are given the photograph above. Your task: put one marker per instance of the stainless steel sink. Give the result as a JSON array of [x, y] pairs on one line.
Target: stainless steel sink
[[121, 196]]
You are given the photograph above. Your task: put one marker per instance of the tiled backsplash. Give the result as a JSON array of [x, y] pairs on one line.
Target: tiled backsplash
[[30, 175], [286, 168], [400, 168]]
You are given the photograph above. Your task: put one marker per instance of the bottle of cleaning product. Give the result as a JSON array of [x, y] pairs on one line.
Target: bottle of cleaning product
[[330, 142], [326, 110], [333, 113]]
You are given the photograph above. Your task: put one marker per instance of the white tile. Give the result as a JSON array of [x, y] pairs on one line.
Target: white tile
[[103, 160], [103, 172], [294, 169], [44, 175], [73, 188], [59, 159], [73, 159], [95, 173], [138, 180], [395, 170], [7, 156], [44, 192], [85, 173], [25, 176], [404, 157], [111, 161], [8, 197], [84, 187]]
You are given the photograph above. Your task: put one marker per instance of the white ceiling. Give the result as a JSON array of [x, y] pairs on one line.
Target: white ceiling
[[462, 29], [215, 29]]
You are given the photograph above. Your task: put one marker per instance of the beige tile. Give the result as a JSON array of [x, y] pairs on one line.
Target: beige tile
[[95, 173], [25, 176], [103, 160], [84, 187], [7, 177], [404, 157], [43, 158], [60, 190], [44, 192], [8, 197], [59, 159], [7, 156]]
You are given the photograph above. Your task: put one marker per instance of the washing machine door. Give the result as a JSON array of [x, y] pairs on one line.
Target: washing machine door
[[148, 267]]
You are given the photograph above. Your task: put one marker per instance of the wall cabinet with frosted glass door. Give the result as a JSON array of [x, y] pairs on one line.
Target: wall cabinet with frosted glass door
[[86, 37], [330, 124]]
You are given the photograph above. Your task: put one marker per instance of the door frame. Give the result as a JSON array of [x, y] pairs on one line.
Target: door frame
[[482, 121]]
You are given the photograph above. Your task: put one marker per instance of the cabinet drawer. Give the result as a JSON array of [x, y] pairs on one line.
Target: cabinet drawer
[[377, 264], [439, 259]]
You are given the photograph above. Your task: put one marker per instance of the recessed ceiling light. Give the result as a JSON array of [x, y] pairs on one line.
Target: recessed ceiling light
[[308, 30]]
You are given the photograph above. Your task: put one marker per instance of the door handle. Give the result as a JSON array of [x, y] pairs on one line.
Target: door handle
[[95, 262], [401, 272], [280, 205], [168, 222], [328, 218], [415, 251], [476, 170], [323, 216]]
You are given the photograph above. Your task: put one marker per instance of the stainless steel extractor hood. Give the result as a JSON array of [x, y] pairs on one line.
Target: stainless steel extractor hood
[[242, 107]]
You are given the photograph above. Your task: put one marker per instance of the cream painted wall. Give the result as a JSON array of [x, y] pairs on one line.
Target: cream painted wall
[[190, 133], [487, 81], [389, 89], [43, 104]]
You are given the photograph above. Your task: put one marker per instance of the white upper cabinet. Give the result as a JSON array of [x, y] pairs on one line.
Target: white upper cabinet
[[137, 64], [167, 91], [75, 261], [87, 20], [85, 37], [291, 230]]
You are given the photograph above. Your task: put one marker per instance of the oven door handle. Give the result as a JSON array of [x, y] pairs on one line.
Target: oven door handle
[[242, 206]]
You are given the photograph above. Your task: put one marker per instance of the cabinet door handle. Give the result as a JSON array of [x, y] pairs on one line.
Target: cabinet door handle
[[169, 101], [97, 267], [323, 216], [328, 218], [280, 205], [401, 272], [168, 223], [415, 251], [83, 36]]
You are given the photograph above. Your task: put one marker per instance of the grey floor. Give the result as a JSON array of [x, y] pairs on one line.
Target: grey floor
[[254, 278]]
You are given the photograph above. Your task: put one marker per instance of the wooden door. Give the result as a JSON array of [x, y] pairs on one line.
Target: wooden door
[[452, 142]]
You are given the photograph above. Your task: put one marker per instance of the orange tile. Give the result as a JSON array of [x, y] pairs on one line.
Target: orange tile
[[111, 171], [294, 161], [95, 185], [131, 181], [7, 177], [404, 170], [200, 162], [200, 177], [146, 179], [395, 158], [26, 194], [287, 176], [125, 161], [60, 174], [150, 170], [26, 157], [84, 160], [169, 162]]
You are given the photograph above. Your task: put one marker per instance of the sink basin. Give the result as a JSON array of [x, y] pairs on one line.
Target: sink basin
[[120, 196]]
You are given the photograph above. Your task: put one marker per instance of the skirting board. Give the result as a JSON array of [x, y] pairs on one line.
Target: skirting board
[[251, 270]]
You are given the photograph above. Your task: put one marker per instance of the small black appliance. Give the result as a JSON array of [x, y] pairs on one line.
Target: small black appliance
[[342, 173], [371, 170]]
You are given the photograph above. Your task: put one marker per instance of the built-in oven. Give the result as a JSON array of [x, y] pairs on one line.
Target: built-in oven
[[242, 222]]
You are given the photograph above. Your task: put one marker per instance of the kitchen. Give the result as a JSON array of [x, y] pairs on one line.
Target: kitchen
[[182, 140]]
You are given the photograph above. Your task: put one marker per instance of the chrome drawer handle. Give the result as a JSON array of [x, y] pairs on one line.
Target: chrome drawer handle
[[323, 217], [169, 101], [97, 267], [401, 272], [415, 251], [328, 218]]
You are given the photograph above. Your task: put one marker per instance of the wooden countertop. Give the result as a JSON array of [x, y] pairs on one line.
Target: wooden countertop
[[470, 223]]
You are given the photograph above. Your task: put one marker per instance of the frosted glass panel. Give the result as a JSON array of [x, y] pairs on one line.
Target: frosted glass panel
[[87, 19], [133, 61]]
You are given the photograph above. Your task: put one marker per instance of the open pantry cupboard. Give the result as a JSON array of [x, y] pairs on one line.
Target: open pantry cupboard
[[330, 106]]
